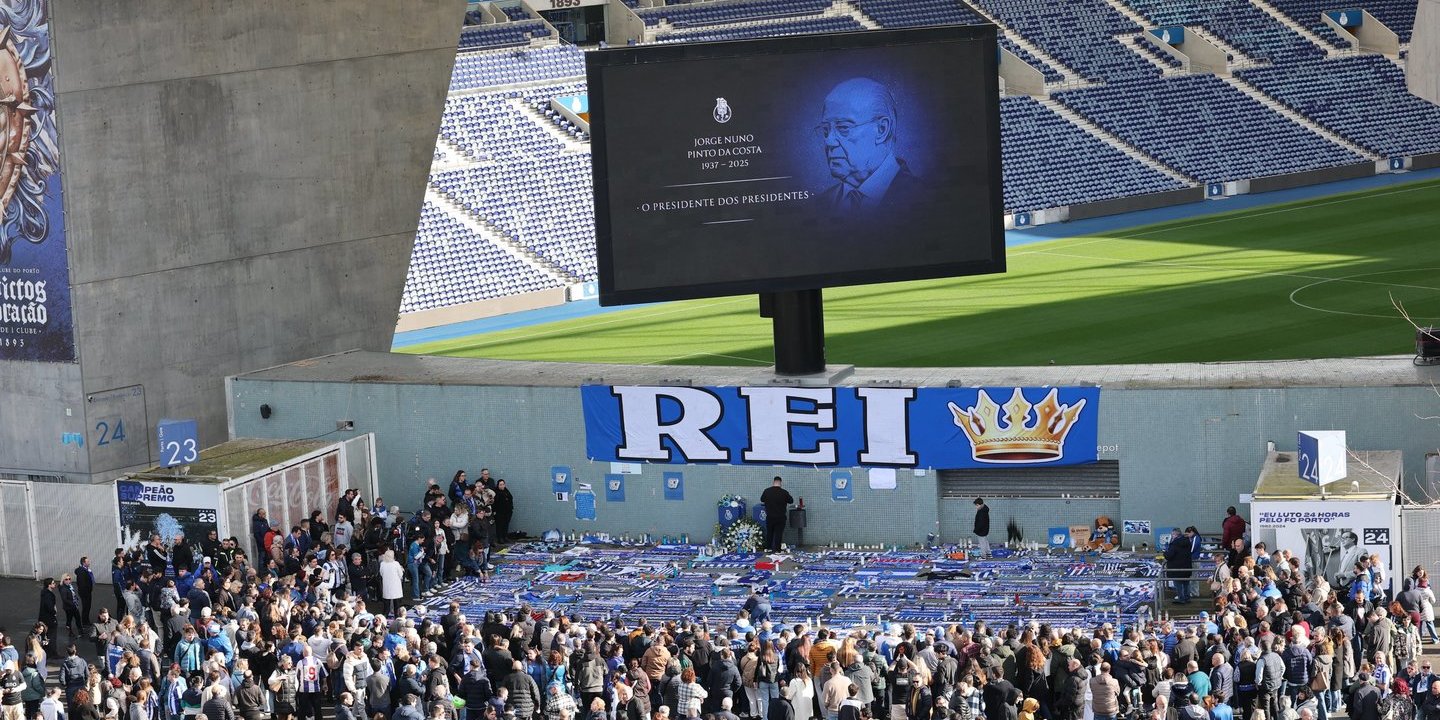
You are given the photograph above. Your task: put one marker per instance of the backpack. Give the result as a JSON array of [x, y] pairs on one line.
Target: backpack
[[1399, 644], [764, 672]]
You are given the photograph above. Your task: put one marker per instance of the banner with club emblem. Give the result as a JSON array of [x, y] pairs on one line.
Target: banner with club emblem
[[35, 319], [942, 428]]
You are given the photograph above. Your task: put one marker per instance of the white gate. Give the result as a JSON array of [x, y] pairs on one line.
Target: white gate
[[1419, 543], [17, 531]]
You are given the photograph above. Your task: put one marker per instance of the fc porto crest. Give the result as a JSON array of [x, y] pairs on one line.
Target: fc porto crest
[[722, 111]]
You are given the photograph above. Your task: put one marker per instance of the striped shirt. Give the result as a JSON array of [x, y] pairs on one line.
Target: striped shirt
[[311, 674]]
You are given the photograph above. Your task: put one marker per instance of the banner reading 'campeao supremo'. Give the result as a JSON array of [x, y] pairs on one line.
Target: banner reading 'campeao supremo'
[[944, 428]]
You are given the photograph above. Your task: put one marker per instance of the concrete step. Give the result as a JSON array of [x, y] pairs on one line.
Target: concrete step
[[1303, 121], [1139, 155]]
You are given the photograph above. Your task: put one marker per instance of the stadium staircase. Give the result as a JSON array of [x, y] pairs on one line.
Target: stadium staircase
[[1238, 59], [1314, 127], [572, 144], [488, 232], [1072, 78], [1330, 47], [855, 12], [1130, 13], [1139, 155], [1133, 42]]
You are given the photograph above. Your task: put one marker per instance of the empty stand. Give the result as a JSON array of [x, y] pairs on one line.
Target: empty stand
[[1362, 99], [765, 29], [1239, 23], [1050, 162], [506, 67], [489, 37], [1398, 15], [452, 264], [724, 11], [1204, 128], [1079, 33]]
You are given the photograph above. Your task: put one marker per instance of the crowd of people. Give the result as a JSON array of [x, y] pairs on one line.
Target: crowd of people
[[304, 634]]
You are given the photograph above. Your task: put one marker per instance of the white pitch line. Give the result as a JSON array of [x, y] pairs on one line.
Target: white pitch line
[[662, 361], [1212, 268]]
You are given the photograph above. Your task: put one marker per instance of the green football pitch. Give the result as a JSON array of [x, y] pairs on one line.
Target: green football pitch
[[1319, 278]]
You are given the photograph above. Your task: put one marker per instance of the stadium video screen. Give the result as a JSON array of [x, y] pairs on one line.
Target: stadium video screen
[[795, 163]]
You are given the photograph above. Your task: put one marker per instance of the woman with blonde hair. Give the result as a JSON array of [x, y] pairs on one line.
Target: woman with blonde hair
[[848, 655], [35, 645]]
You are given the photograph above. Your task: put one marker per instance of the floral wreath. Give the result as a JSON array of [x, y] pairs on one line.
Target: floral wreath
[[744, 535]]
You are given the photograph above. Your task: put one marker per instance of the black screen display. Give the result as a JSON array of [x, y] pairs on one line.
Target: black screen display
[[795, 163]]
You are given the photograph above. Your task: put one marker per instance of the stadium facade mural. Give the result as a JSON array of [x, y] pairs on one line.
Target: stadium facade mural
[[943, 428], [35, 315]]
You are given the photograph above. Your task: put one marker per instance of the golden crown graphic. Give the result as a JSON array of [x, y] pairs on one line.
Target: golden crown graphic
[[1013, 441]]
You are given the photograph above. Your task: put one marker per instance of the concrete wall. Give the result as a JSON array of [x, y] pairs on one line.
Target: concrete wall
[[1185, 454], [39, 404], [1312, 177], [243, 184], [1422, 69]]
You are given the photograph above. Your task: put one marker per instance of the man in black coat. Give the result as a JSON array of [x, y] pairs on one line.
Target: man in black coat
[[475, 687], [1000, 697], [409, 685], [724, 680], [982, 525], [259, 527], [782, 709], [776, 500], [218, 706], [947, 670], [1364, 703], [1179, 562], [1070, 697], [85, 585]]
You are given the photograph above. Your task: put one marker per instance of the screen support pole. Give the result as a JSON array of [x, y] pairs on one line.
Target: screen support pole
[[799, 323]]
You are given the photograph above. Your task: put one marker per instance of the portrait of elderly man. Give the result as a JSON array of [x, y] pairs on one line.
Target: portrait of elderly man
[[858, 127]]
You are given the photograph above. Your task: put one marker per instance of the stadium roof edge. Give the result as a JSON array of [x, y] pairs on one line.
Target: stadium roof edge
[[397, 368]]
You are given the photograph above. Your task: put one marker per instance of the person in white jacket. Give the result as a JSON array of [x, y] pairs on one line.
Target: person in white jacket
[[392, 582], [802, 694]]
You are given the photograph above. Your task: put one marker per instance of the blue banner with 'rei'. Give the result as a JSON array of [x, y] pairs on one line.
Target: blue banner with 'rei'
[[944, 428]]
